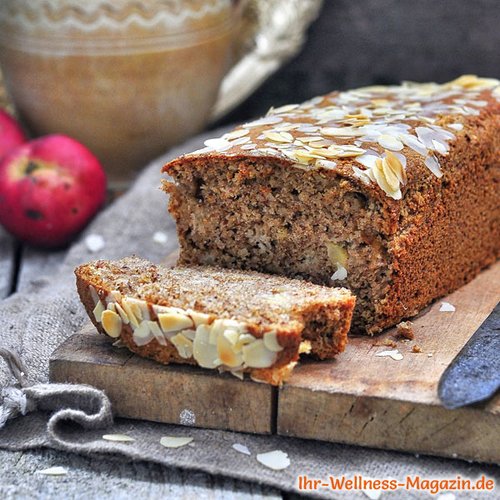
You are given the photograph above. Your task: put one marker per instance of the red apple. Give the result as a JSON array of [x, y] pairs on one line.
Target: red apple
[[49, 190], [11, 134]]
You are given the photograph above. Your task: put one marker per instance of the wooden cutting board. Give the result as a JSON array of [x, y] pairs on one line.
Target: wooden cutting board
[[358, 398]]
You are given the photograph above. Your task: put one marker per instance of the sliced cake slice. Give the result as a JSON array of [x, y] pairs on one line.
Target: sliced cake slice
[[237, 321]]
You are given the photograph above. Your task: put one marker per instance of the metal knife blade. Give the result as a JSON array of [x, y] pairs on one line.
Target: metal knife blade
[[474, 374]]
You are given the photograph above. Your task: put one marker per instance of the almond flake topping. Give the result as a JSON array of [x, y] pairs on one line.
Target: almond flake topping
[[279, 136], [236, 134], [390, 174], [357, 126]]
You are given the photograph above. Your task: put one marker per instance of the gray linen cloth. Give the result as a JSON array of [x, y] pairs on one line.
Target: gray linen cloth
[[34, 413]]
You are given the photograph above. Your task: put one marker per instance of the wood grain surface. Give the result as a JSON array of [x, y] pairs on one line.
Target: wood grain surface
[[358, 398], [140, 388], [364, 399]]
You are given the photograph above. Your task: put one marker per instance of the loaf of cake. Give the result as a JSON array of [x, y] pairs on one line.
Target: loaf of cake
[[392, 192], [236, 321]]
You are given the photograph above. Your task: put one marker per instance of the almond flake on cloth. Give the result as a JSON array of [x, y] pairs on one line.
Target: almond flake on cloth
[[372, 494], [118, 438], [446, 496], [276, 460], [446, 307], [94, 242], [174, 441], [394, 354], [160, 237], [53, 471], [241, 448]]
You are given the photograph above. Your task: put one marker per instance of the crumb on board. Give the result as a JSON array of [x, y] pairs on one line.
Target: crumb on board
[[416, 348], [385, 343], [405, 330]]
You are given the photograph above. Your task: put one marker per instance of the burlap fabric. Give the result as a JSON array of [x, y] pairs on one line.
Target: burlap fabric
[[74, 418]]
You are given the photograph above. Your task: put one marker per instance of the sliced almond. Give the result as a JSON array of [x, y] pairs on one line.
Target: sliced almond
[[156, 330], [391, 178], [140, 308], [271, 342], [236, 134], [231, 336], [122, 313], [118, 438], [394, 354], [174, 322], [340, 274], [204, 352], [342, 132], [387, 180], [93, 294], [257, 355], [283, 109], [347, 151], [183, 345], [471, 82], [53, 471], [283, 137], [133, 312], [276, 460], [243, 340], [432, 163], [143, 334], [112, 323], [393, 163], [98, 310], [226, 353], [117, 296], [175, 441], [390, 142], [190, 334], [241, 448], [199, 318], [238, 374], [447, 307], [217, 328]]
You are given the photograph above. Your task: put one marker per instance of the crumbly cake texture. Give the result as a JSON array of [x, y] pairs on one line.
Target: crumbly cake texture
[[391, 192], [237, 321]]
